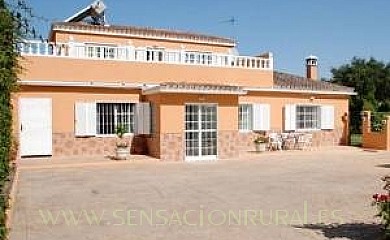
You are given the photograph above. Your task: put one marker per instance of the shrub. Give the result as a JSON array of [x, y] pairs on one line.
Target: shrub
[[260, 139], [382, 201]]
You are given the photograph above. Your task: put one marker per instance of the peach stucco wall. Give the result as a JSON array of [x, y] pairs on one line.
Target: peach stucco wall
[[279, 100], [64, 37], [170, 107], [65, 69], [172, 111], [167, 141], [64, 99]]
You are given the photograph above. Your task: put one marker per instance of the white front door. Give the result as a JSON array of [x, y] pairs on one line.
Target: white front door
[[201, 132], [35, 126]]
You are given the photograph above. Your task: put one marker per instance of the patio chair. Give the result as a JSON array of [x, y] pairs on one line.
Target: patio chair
[[305, 141], [275, 141], [309, 141], [289, 141]]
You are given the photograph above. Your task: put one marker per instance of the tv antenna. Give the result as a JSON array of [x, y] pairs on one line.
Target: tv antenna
[[233, 22]]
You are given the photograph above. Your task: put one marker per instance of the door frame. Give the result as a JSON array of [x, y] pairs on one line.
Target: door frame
[[20, 122], [201, 158]]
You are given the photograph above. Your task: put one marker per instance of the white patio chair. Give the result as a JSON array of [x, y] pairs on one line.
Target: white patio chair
[[289, 141], [275, 141], [309, 141], [305, 141]]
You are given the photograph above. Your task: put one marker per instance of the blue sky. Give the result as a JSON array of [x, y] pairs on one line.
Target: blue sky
[[333, 30]]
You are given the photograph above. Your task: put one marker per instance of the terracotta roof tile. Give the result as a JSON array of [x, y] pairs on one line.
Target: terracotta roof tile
[[294, 82]]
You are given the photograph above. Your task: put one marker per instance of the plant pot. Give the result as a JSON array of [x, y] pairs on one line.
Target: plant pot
[[122, 153], [260, 147]]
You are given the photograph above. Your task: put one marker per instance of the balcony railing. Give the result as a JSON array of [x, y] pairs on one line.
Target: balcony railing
[[129, 53]]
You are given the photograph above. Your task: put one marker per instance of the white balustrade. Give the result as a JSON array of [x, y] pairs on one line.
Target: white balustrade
[[130, 53]]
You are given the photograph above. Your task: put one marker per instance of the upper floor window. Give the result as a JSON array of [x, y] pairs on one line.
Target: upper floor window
[[308, 117], [198, 58], [154, 54], [105, 52]]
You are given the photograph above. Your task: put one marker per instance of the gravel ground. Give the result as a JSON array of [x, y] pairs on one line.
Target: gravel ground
[[322, 194]]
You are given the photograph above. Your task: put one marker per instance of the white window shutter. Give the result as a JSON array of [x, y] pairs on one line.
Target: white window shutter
[[139, 127], [85, 119], [261, 117], [143, 120], [266, 119], [147, 119], [290, 114], [327, 117], [256, 117]]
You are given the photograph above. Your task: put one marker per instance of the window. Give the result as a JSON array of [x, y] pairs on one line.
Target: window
[[109, 52], [101, 52], [245, 117], [111, 115], [308, 117], [154, 54], [204, 58]]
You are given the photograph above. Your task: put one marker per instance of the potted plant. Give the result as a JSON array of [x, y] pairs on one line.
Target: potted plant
[[122, 145], [260, 143]]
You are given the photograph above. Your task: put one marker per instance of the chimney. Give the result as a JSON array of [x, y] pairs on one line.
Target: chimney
[[312, 67]]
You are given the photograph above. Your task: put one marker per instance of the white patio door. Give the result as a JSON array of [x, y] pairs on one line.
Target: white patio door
[[35, 126], [201, 132]]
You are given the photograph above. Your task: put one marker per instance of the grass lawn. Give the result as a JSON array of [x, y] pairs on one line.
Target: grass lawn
[[356, 140]]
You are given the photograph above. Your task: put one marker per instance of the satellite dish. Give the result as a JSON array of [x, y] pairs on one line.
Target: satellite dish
[[93, 14]]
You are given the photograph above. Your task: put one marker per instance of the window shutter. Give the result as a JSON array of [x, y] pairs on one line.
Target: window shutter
[[143, 119], [147, 119], [327, 117], [261, 117], [290, 114], [85, 119]]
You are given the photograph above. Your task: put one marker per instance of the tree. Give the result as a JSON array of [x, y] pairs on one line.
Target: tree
[[371, 80]]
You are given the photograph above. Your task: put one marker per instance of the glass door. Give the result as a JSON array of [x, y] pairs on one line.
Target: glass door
[[201, 132]]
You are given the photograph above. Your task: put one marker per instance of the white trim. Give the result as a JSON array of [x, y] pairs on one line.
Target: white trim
[[224, 92], [93, 84], [113, 135], [244, 131], [308, 130], [259, 89]]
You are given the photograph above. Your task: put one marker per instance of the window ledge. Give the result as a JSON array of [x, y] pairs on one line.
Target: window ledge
[[245, 131], [113, 135], [308, 130]]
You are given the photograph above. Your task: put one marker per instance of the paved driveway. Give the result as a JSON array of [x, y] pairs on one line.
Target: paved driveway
[[299, 195]]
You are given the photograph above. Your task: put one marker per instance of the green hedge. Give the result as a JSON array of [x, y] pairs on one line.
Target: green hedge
[[9, 68]]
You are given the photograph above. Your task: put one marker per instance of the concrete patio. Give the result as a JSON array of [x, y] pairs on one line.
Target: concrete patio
[[322, 194]]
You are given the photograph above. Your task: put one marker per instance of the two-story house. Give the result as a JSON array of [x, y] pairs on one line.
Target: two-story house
[[180, 95]]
